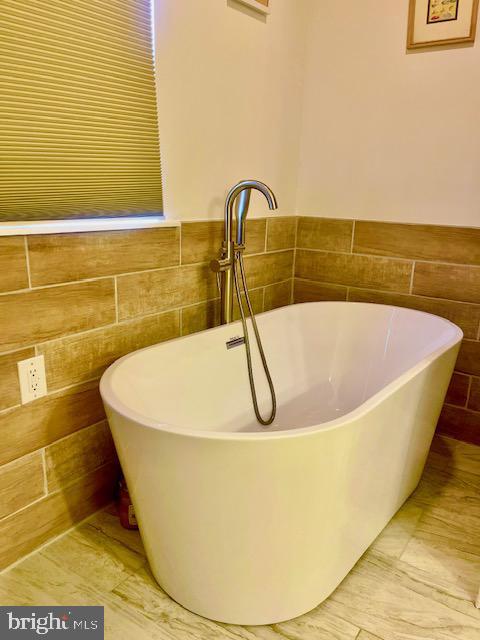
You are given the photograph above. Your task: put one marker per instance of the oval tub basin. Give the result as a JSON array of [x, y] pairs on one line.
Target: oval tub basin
[[252, 525]]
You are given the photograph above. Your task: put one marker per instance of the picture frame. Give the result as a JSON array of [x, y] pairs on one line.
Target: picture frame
[[433, 23]]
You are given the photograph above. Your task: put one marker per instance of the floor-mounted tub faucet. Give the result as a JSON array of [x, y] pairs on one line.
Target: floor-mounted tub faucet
[[230, 261], [225, 265]]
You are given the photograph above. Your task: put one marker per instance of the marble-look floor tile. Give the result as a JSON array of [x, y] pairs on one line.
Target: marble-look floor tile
[[454, 454], [382, 597], [396, 535], [39, 581], [106, 522], [364, 635], [99, 559]]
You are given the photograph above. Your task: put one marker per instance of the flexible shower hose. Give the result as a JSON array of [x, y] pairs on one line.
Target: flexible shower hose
[[238, 260]]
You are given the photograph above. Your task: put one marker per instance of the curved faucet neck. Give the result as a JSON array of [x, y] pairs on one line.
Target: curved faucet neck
[[235, 191]]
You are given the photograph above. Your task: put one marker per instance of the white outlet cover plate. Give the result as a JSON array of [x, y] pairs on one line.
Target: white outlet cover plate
[[33, 381]]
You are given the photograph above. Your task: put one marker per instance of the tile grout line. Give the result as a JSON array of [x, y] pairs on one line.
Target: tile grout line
[[469, 389], [115, 293], [412, 275], [44, 466], [27, 262], [353, 237]]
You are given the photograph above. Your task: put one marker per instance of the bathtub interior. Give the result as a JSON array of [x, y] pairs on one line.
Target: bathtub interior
[[326, 360]]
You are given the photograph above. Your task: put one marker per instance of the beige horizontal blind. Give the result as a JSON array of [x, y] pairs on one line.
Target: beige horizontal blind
[[78, 116]]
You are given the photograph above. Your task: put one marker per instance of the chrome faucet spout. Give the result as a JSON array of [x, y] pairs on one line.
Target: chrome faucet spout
[[242, 191]]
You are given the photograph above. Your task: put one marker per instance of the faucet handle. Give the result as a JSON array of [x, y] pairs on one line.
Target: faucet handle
[[220, 264]]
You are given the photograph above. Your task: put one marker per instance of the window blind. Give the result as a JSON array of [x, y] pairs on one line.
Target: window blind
[[78, 115]]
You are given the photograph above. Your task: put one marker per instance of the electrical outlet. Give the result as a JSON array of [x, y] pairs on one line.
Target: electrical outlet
[[33, 382]]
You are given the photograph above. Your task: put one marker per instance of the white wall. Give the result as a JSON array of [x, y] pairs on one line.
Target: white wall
[[387, 135], [229, 95]]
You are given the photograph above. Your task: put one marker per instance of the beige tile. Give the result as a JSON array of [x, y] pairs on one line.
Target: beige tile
[[101, 560], [72, 457], [109, 525], [278, 295], [36, 424], [39, 581], [268, 268], [199, 317], [155, 291], [85, 356], [398, 532], [458, 390], [454, 455], [13, 264], [255, 232], [21, 482], [460, 423], [393, 600], [25, 530], [201, 241], [466, 316], [327, 234], [469, 358], [454, 282], [311, 291], [281, 233], [319, 624], [45, 314], [256, 300], [474, 400], [418, 241], [357, 271], [364, 635], [9, 387], [75, 256], [452, 570]]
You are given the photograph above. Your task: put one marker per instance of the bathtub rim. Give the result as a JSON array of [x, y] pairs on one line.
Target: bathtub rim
[[111, 399]]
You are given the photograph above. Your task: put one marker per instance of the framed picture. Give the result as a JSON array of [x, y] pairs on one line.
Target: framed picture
[[441, 22]]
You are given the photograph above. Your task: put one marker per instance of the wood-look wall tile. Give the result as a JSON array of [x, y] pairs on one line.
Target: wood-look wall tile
[[278, 295], [358, 271], [72, 457], [34, 425], [474, 400], [468, 360], [45, 314], [268, 268], [201, 241], [65, 257], [13, 264], [311, 291], [454, 282], [459, 423], [256, 299], [9, 385], [27, 529], [199, 317], [281, 233], [85, 356], [466, 316], [21, 482], [326, 234], [155, 291], [418, 241], [255, 232], [457, 392]]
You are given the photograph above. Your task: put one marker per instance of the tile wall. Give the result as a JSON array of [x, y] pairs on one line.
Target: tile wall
[[83, 300], [431, 268]]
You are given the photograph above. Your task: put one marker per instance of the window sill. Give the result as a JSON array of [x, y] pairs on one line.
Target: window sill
[[42, 227]]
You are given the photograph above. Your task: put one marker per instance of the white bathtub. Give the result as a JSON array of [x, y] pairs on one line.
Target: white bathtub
[[249, 525]]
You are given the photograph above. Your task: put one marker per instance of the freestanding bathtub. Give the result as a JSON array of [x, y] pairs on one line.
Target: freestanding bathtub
[[249, 525]]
